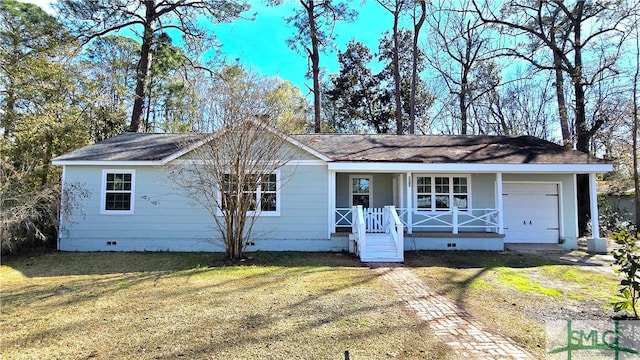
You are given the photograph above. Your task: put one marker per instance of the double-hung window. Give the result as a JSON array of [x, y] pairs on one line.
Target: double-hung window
[[442, 193], [262, 192], [268, 191], [117, 191], [360, 190]]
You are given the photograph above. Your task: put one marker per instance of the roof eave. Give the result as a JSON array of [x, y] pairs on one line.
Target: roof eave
[[107, 162], [468, 168]]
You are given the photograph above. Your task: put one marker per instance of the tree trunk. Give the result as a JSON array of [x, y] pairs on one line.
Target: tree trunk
[[414, 71], [634, 144], [9, 119], [314, 55], [562, 103], [48, 155], [582, 132], [144, 67], [464, 84], [396, 75], [567, 140], [462, 100], [634, 148]]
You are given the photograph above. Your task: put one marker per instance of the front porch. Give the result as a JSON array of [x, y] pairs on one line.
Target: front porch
[[457, 208], [383, 234], [433, 211], [418, 221]]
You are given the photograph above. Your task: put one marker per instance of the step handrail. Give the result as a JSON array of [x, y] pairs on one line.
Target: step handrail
[[396, 229], [359, 230]]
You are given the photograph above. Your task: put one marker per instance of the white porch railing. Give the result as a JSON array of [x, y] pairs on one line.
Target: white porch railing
[[395, 227], [359, 229], [374, 218], [454, 220]]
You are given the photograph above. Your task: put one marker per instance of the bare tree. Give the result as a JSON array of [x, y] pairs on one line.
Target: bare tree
[[236, 175], [560, 29], [560, 36], [27, 216], [237, 170], [459, 49], [519, 108]]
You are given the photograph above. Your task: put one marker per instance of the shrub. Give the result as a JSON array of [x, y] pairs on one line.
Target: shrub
[[627, 262]]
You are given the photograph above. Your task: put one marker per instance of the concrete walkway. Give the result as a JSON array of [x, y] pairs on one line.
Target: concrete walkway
[[579, 257], [452, 325]]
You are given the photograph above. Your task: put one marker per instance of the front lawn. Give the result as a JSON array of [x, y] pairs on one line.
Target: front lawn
[[278, 305], [515, 294], [185, 305]]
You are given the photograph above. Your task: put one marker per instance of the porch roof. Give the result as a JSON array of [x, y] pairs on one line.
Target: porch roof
[[444, 149]]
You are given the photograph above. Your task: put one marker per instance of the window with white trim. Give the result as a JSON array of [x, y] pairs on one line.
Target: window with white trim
[[268, 192], [263, 194], [441, 193], [117, 191], [360, 189]]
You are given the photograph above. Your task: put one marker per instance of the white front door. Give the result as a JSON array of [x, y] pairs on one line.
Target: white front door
[[531, 213]]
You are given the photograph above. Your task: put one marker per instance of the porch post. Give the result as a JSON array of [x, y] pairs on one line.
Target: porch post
[[401, 191], [409, 204], [593, 201], [499, 204], [332, 203], [454, 216], [595, 244]]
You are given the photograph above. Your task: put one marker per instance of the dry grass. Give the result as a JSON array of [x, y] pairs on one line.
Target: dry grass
[[170, 305], [515, 294]]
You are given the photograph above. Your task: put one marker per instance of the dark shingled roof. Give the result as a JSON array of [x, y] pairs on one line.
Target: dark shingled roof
[[444, 149], [133, 147], [342, 147]]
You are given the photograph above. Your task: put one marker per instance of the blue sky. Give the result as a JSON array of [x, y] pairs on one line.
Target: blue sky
[[261, 44]]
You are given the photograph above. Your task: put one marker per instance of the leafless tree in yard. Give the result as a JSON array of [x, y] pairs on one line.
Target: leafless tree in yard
[[237, 171], [24, 216]]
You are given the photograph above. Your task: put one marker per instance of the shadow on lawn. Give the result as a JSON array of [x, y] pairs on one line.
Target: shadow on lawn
[[311, 312], [477, 259], [50, 264], [476, 262]]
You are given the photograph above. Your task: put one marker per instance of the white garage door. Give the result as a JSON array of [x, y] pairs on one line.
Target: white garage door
[[530, 213]]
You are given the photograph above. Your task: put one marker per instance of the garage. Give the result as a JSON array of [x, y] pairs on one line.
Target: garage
[[531, 212]]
